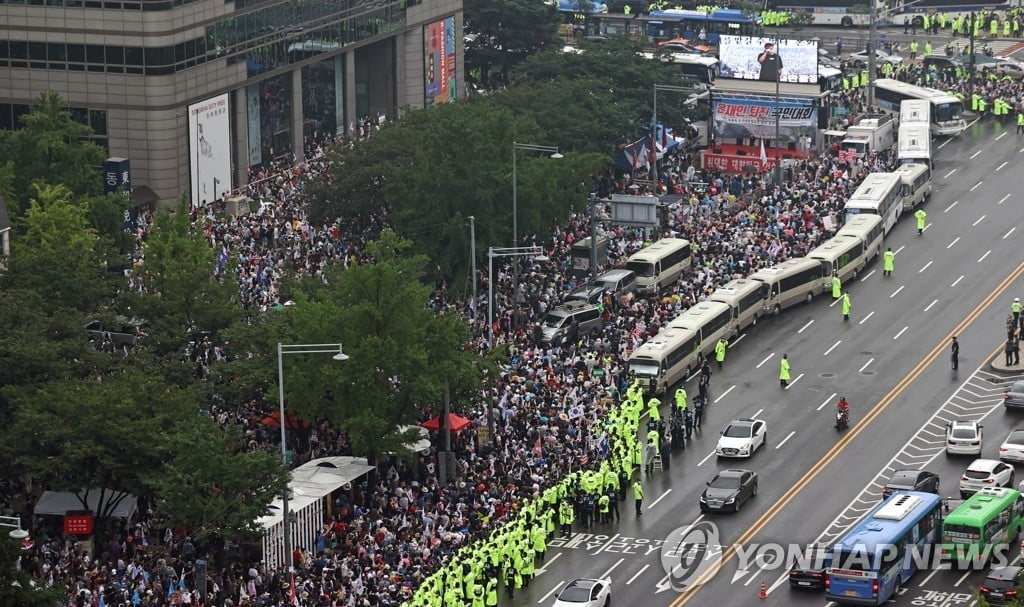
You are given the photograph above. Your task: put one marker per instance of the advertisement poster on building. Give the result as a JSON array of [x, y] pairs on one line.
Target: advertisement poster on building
[[252, 102], [770, 59], [439, 69], [740, 116], [209, 139]]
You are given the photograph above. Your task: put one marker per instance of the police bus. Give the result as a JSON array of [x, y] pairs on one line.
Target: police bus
[[946, 110], [744, 298], [868, 229], [843, 255], [710, 320], [914, 144], [665, 359], [789, 283], [916, 185], [659, 264], [868, 565], [879, 194], [916, 111], [988, 520]]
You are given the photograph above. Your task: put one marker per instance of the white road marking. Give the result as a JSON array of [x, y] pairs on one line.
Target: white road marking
[[975, 155], [612, 568], [861, 370], [930, 576], [1001, 135], [637, 574], [975, 186], [899, 250], [902, 331], [935, 301], [955, 240], [924, 268], [896, 292], [957, 281], [982, 258], [926, 227], [752, 578], [722, 395], [706, 458], [655, 502], [766, 359], [782, 579], [955, 202], [788, 436], [834, 302], [1005, 163], [827, 352], [809, 323], [547, 564], [790, 385], [865, 319], [737, 340], [1003, 199], [553, 590], [759, 412], [827, 401], [947, 175], [866, 276], [962, 578], [1007, 235], [980, 219]]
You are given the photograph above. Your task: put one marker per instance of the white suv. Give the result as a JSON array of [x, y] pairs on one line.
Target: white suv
[[963, 438]]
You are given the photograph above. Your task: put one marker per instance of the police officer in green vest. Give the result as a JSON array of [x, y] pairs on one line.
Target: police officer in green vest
[[1020, 123], [603, 507], [681, 398]]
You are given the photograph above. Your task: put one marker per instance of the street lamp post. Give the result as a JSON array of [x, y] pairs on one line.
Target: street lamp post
[[654, 123], [548, 149], [14, 522], [282, 350]]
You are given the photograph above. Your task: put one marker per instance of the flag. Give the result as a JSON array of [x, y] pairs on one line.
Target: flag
[[654, 152], [632, 158], [293, 598], [537, 449], [664, 138], [764, 157]]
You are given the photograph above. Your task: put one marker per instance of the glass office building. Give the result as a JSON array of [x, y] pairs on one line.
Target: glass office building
[[195, 92]]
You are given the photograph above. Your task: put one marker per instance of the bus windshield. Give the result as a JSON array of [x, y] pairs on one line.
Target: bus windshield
[[947, 112], [641, 268], [644, 369]]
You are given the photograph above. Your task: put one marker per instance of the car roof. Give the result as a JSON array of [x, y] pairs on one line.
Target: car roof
[[1005, 573], [1015, 431], [582, 582], [901, 474], [986, 465], [732, 472], [1018, 386], [614, 274], [964, 422]]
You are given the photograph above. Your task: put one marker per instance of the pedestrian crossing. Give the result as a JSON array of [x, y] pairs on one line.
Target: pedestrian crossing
[[1001, 48]]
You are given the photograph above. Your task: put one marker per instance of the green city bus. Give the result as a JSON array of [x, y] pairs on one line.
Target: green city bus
[[991, 517]]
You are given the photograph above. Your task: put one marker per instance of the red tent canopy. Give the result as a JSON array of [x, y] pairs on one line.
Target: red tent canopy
[[455, 423], [273, 419]]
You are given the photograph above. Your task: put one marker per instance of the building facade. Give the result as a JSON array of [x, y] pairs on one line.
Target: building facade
[[195, 92]]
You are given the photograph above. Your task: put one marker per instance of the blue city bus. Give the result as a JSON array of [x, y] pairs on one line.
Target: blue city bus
[[679, 23], [868, 565]]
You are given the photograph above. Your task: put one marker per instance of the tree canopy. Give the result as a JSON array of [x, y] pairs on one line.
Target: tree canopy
[[502, 34]]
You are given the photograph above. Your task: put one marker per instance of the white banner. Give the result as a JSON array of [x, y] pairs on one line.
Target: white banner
[[252, 96], [209, 138]]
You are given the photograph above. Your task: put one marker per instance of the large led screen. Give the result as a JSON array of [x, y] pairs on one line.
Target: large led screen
[[439, 69], [769, 59], [209, 134]]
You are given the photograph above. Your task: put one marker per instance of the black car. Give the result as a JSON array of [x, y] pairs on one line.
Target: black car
[[1014, 397], [1000, 587], [809, 574], [728, 490], [911, 480]]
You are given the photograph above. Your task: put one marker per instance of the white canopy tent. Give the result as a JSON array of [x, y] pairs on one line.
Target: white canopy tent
[[310, 484], [59, 503]]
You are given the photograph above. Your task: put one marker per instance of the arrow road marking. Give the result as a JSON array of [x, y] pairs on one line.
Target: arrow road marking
[[544, 566]]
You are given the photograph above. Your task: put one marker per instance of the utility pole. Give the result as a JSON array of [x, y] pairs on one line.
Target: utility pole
[[872, 46], [472, 261], [593, 239], [778, 121], [970, 57]]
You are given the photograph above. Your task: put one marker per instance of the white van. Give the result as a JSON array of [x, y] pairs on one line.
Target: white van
[[710, 320], [665, 359], [916, 181], [660, 264], [789, 283], [869, 229], [744, 298], [842, 255]]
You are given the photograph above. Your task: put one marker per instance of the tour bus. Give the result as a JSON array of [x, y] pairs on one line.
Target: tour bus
[[946, 110], [744, 299], [843, 255], [665, 359], [697, 67], [829, 79], [789, 283], [914, 145], [916, 111], [869, 229], [991, 518], [879, 194], [660, 264], [710, 320], [916, 184], [868, 565]]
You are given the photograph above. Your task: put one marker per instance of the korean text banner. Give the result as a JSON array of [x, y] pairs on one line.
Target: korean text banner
[[739, 116], [769, 59], [439, 69], [209, 143]]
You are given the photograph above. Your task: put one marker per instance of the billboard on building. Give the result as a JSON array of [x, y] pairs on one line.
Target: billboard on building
[[209, 141], [741, 116], [117, 175], [769, 59], [439, 69]]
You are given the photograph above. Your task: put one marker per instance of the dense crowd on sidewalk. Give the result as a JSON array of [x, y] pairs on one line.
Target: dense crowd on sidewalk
[[548, 406]]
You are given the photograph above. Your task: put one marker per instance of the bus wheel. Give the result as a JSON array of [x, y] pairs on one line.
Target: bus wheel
[[846, 22], [777, 309], [753, 321], [810, 296]]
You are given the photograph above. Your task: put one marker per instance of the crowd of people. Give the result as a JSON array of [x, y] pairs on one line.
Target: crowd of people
[[548, 407]]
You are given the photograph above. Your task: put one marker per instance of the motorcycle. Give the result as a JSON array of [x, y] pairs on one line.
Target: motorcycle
[[842, 420]]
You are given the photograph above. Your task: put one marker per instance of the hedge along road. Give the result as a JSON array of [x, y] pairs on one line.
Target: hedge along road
[[730, 553]]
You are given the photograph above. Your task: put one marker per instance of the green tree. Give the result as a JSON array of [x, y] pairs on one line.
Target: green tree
[[19, 588], [401, 352], [502, 33], [93, 435], [56, 253], [210, 484], [182, 298], [51, 148]]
